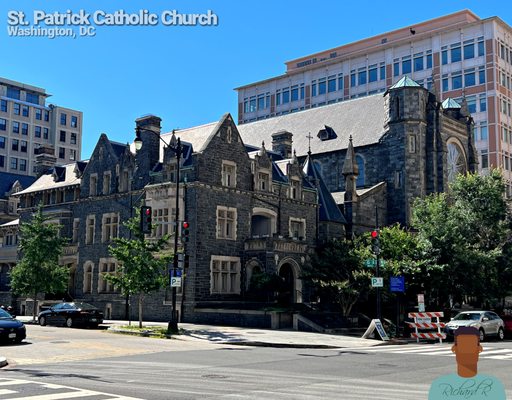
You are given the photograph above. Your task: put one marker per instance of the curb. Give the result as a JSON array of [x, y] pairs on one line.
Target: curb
[[3, 362], [282, 345]]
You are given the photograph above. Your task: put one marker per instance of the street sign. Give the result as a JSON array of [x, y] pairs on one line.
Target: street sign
[[382, 263], [371, 262], [175, 281], [397, 284], [376, 324], [377, 282], [421, 302]]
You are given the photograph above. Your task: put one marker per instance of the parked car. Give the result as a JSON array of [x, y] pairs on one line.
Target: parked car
[[487, 322], [507, 319], [71, 314], [11, 330]]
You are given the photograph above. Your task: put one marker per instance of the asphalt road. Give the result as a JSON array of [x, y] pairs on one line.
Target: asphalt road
[[61, 363]]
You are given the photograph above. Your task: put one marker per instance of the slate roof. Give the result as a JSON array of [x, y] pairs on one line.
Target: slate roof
[[11, 223], [363, 118], [197, 136], [7, 180], [328, 210], [66, 174]]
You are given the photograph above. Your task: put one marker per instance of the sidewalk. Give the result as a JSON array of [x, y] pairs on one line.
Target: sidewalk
[[257, 337]]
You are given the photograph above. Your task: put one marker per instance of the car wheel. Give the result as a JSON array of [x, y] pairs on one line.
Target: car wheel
[[69, 322], [482, 335], [42, 321], [18, 340], [501, 334]]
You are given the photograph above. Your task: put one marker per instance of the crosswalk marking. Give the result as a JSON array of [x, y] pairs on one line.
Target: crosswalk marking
[[443, 350], [65, 392]]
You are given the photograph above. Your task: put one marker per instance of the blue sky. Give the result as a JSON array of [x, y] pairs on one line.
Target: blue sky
[[186, 75]]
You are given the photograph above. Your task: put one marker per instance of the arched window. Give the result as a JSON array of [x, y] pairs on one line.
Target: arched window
[[360, 164], [88, 269], [456, 159]]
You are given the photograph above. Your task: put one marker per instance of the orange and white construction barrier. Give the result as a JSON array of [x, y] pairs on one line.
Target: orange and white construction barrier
[[423, 320]]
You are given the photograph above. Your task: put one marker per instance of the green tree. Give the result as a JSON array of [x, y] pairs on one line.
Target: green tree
[[142, 265], [468, 228], [38, 270], [337, 272]]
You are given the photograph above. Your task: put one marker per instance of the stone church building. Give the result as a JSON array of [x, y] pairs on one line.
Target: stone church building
[[258, 197]]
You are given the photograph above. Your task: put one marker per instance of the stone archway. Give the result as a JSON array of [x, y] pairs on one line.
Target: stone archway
[[292, 286]]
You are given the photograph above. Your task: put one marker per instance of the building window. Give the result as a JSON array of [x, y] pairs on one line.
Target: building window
[[2, 161], [469, 78], [225, 275], [3, 105], [88, 273], [45, 133], [124, 181], [286, 95], [483, 104], [107, 267], [62, 152], [429, 60], [15, 127], [106, 182], [13, 93], [361, 76], [396, 68], [352, 79], [3, 124], [16, 109], [72, 154], [444, 57], [481, 75], [46, 116], [63, 136], [471, 101], [15, 144], [2, 142], [263, 181], [455, 53], [63, 118], [406, 65], [93, 185], [14, 163], [331, 84], [76, 226], [398, 179], [295, 189], [32, 98], [456, 81], [89, 229], [161, 222], [24, 129], [481, 49], [23, 146], [110, 226], [297, 228], [412, 144], [469, 51], [74, 121], [418, 62], [37, 131], [226, 223], [228, 173], [484, 159], [25, 111], [23, 164], [382, 71], [483, 130], [372, 73]]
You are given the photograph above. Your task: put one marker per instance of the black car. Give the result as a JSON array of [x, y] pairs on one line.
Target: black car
[[11, 330], [71, 314]]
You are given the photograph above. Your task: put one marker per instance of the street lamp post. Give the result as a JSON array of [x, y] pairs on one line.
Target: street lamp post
[[175, 144]]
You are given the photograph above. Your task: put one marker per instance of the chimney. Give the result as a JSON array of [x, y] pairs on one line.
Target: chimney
[[45, 159], [282, 143], [149, 129]]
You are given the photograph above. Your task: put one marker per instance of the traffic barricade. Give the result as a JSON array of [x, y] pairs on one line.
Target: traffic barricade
[[423, 321]]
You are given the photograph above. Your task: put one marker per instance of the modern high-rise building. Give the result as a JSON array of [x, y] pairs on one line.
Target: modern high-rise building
[[458, 56], [28, 123]]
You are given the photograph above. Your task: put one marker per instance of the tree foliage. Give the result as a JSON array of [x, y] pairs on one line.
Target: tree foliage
[[469, 229], [337, 272], [142, 266], [38, 270]]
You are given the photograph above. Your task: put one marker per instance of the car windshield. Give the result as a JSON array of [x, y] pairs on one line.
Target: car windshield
[[4, 314], [84, 306], [467, 317]]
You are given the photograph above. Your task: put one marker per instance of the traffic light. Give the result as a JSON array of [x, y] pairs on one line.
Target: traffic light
[[375, 242], [145, 219], [185, 231]]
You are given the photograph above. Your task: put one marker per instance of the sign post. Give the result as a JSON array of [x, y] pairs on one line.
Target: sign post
[[397, 285]]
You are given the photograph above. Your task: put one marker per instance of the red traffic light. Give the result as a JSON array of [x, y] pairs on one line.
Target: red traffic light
[[375, 234], [147, 211], [185, 225]]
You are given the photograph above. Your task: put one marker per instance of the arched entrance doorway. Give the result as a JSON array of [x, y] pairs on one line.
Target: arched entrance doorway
[[287, 294]]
